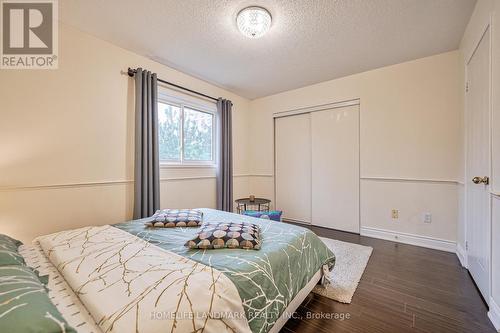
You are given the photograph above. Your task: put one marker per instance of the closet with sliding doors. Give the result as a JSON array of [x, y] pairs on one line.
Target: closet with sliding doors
[[317, 165]]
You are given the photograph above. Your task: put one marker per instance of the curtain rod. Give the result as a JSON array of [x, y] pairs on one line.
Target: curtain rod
[[132, 71]]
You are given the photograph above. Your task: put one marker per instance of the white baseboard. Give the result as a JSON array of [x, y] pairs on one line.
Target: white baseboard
[[400, 237], [462, 255], [494, 314]]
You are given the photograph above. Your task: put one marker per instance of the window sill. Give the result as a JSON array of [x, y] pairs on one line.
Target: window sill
[[187, 166]]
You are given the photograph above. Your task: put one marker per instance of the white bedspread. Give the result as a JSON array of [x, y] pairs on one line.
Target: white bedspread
[[130, 285], [60, 293]]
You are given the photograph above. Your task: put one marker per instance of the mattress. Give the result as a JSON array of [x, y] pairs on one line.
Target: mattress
[[268, 279], [79, 318], [271, 282]]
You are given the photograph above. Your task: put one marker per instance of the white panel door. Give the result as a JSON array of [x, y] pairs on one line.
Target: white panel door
[[335, 168], [478, 160], [293, 167]]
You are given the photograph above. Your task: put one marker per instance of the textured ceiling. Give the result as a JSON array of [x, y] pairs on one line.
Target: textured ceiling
[[310, 41]]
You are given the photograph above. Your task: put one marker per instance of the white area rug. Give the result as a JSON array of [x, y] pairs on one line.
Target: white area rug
[[350, 263]]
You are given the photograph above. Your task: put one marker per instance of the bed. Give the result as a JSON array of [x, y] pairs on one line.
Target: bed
[[128, 277]]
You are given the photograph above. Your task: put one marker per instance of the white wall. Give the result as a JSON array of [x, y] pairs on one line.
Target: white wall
[[495, 277], [487, 11], [66, 141], [410, 142]]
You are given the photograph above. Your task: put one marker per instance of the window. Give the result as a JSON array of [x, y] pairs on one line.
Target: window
[[186, 134]]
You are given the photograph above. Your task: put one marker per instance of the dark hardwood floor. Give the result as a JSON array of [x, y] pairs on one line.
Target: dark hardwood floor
[[404, 288]]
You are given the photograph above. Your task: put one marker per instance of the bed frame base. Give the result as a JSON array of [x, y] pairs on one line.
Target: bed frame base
[[295, 303]]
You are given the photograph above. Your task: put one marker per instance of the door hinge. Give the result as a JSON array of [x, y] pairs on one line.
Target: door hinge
[[466, 246], [467, 86]]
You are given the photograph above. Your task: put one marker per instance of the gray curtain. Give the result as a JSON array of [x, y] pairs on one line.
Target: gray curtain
[[225, 157], [147, 165]]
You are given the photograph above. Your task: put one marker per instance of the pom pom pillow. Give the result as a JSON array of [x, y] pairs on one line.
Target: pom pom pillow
[[170, 218], [227, 235]]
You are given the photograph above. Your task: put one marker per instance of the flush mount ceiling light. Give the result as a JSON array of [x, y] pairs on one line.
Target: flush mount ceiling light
[[253, 22]]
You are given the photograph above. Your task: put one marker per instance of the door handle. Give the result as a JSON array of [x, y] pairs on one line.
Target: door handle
[[481, 180]]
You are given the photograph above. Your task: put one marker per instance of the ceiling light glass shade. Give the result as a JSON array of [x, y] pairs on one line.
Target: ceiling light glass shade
[[253, 22]]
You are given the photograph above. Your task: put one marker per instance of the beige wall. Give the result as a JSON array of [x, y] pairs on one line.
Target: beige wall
[[488, 12], [410, 141], [66, 141]]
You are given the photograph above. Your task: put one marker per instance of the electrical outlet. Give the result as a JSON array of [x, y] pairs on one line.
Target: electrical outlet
[[427, 217], [395, 214]]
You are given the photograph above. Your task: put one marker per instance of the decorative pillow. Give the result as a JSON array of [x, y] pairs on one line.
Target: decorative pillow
[[8, 251], [169, 218], [25, 304], [227, 235], [274, 215]]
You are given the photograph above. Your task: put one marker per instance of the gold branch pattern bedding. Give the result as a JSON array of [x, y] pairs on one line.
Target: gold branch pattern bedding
[[131, 285], [268, 279]]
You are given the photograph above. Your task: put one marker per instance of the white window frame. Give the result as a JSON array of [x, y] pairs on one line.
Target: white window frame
[[196, 105]]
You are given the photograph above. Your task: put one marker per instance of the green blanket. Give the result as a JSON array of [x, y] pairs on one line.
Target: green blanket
[[267, 280]]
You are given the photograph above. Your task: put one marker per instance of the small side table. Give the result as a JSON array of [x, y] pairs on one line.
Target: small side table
[[258, 204]]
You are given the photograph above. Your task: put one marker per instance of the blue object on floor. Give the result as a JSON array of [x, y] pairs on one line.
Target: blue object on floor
[[274, 215]]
